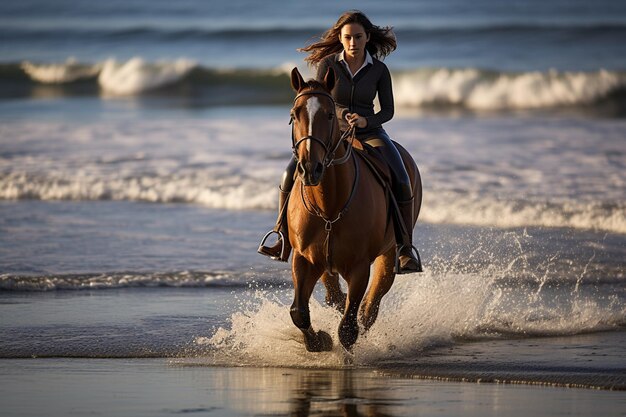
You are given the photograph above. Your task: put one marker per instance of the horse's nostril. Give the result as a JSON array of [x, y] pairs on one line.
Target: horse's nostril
[[319, 169], [300, 168], [316, 174]]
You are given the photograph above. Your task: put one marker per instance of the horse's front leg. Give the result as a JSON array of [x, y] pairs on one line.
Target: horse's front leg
[[382, 279], [334, 296], [357, 284], [305, 276]]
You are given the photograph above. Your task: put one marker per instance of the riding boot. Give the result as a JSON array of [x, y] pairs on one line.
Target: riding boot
[[408, 262], [281, 250]]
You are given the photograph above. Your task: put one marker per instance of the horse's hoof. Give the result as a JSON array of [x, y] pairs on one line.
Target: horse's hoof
[[326, 341], [318, 342], [348, 335]]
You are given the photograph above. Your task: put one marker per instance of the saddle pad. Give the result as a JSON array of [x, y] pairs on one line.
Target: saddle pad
[[375, 161]]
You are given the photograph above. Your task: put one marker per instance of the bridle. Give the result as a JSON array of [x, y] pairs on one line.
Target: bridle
[[329, 153], [329, 160]]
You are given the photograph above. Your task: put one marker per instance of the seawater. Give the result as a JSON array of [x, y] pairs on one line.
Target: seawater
[[484, 57], [497, 171], [525, 36], [140, 155]]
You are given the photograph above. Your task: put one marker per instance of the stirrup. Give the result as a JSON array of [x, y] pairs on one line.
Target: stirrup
[[263, 249], [417, 257]]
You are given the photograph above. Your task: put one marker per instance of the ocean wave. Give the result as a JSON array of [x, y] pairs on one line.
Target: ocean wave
[[239, 193], [146, 31], [469, 210], [232, 194], [136, 75], [406, 31], [470, 88], [103, 281], [67, 72], [132, 77], [491, 90]]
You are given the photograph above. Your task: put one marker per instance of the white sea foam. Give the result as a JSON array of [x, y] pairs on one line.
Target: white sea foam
[[470, 88], [419, 313], [235, 193], [136, 75], [130, 77], [498, 173], [66, 72], [241, 193], [463, 209], [118, 280], [483, 90]]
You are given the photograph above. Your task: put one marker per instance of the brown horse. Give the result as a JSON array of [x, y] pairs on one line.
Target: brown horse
[[338, 218]]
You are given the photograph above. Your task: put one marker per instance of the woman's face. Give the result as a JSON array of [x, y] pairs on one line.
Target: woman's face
[[353, 38]]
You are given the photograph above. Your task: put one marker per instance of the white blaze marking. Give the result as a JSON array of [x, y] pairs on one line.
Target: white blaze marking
[[312, 106]]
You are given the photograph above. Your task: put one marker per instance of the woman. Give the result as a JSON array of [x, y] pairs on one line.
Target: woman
[[352, 48]]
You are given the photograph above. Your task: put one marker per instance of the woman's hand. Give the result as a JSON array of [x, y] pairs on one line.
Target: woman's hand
[[354, 119]]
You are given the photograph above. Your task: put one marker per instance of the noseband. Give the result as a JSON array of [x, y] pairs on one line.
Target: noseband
[[329, 154]]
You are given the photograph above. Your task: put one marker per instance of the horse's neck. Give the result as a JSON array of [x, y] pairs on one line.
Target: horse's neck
[[334, 190]]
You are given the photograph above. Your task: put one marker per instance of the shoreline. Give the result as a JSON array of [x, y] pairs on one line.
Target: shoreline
[[589, 361], [586, 361]]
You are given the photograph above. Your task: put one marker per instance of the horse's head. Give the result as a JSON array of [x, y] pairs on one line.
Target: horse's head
[[315, 128]]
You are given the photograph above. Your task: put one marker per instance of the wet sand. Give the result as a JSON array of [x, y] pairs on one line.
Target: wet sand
[[507, 369], [153, 387], [593, 361]]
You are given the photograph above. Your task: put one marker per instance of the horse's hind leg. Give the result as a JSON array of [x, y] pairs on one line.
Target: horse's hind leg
[[334, 296], [382, 280], [305, 276], [357, 284]]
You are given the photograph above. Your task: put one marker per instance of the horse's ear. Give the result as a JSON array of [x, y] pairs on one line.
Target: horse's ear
[[329, 79], [297, 82]]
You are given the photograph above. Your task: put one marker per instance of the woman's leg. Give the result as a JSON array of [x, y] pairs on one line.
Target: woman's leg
[[401, 183], [402, 191], [282, 248]]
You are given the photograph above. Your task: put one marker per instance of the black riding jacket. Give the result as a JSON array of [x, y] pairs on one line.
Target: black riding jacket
[[356, 95]]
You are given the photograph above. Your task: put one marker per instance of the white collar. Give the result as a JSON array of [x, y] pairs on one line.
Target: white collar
[[368, 60]]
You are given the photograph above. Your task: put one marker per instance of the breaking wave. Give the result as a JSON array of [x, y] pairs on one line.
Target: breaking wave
[[489, 90], [470, 88], [104, 281], [242, 193], [407, 30], [132, 77], [460, 209]]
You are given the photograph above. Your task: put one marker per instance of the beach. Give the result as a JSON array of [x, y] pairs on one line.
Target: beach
[[141, 147], [151, 387]]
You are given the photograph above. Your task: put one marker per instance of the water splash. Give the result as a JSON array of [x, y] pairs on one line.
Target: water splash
[[444, 306]]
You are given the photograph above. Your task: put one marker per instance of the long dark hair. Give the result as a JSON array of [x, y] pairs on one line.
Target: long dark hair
[[382, 40]]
